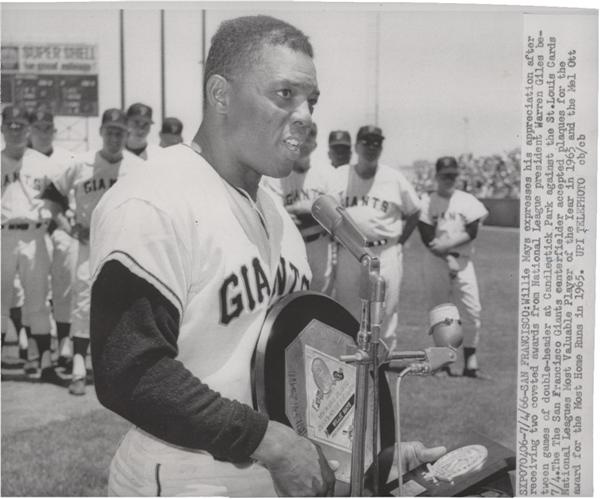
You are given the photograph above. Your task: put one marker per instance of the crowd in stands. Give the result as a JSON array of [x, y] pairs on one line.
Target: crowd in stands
[[496, 176]]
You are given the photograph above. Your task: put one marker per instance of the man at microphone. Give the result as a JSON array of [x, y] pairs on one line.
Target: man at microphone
[[385, 207], [185, 265]]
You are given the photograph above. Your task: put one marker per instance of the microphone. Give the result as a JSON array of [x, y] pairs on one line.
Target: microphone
[[336, 221]]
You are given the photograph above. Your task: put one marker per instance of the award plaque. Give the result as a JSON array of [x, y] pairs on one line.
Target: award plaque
[[477, 467], [299, 380]]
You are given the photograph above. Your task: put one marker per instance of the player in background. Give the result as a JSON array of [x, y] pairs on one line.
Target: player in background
[[64, 254], [340, 148], [170, 132], [298, 192], [186, 263], [139, 121], [25, 220], [87, 180], [386, 208], [448, 225]]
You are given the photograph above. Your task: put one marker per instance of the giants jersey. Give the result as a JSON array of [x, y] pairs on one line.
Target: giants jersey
[[88, 178], [450, 216], [63, 158], [300, 189], [219, 258], [23, 181], [378, 204]]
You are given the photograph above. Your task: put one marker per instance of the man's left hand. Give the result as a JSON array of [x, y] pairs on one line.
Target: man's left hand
[[414, 454]]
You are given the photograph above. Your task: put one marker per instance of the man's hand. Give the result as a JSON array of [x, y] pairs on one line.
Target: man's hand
[[297, 466], [415, 453], [439, 247], [81, 233]]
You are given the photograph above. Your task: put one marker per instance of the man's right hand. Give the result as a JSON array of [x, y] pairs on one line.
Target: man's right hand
[[297, 466]]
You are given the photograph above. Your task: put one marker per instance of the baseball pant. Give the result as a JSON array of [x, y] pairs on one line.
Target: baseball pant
[[80, 317], [25, 253], [318, 253], [64, 261], [461, 290], [146, 466], [347, 286], [18, 298]]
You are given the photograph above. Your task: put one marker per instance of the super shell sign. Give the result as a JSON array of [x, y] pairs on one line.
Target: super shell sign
[[61, 76]]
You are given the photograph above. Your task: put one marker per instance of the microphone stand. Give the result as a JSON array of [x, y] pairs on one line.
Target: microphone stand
[[366, 359]]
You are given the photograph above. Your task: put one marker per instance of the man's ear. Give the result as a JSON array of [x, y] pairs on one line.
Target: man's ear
[[217, 93]]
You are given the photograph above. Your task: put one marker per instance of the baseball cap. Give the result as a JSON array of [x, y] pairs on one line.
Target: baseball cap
[[171, 125], [15, 114], [369, 131], [340, 138], [114, 117], [139, 110], [446, 164], [42, 116]]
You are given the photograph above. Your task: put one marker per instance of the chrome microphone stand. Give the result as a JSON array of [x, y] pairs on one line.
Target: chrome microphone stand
[[366, 359]]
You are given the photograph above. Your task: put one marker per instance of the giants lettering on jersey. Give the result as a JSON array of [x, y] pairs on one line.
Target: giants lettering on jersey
[[245, 289], [34, 182], [97, 184], [374, 202]]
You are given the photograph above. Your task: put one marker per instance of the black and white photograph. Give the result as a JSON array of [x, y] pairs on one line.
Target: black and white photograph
[[297, 249]]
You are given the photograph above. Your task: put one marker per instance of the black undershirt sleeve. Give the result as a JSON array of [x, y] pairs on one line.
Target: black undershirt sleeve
[[134, 331], [51, 193]]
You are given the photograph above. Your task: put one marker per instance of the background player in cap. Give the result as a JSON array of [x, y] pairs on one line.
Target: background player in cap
[[87, 180], [386, 208], [340, 148], [297, 192], [64, 248], [139, 122], [24, 222], [448, 225], [170, 132], [185, 268]]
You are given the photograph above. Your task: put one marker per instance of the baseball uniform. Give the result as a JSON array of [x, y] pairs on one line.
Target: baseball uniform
[[24, 245], [298, 192], [449, 217], [217, 260], [64, 254], [87, 180], [378, 206]]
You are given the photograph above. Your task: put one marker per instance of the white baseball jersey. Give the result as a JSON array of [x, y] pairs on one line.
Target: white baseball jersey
[[378, 204], [23, 181], [220, 258], [89, 178], [299, 190], [450, 216], [63, 158]]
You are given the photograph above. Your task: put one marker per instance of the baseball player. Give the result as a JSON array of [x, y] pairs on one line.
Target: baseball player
[[297, 192], [186, 263], [139, 121], [87, 180], [340, 148], [25, 219], [386, 209], [448, 225], [170, 132], [64, 254]]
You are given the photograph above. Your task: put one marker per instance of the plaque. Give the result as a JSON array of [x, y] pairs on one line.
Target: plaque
[[299, 380]]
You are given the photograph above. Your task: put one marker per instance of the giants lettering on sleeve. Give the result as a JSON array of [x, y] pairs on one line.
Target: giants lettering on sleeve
[[245, 289]]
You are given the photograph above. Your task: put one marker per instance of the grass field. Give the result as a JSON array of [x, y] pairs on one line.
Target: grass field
[[54, 444]]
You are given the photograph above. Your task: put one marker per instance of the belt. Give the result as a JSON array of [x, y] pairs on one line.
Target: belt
[[380, 242], [313, 237], [23, 226]]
